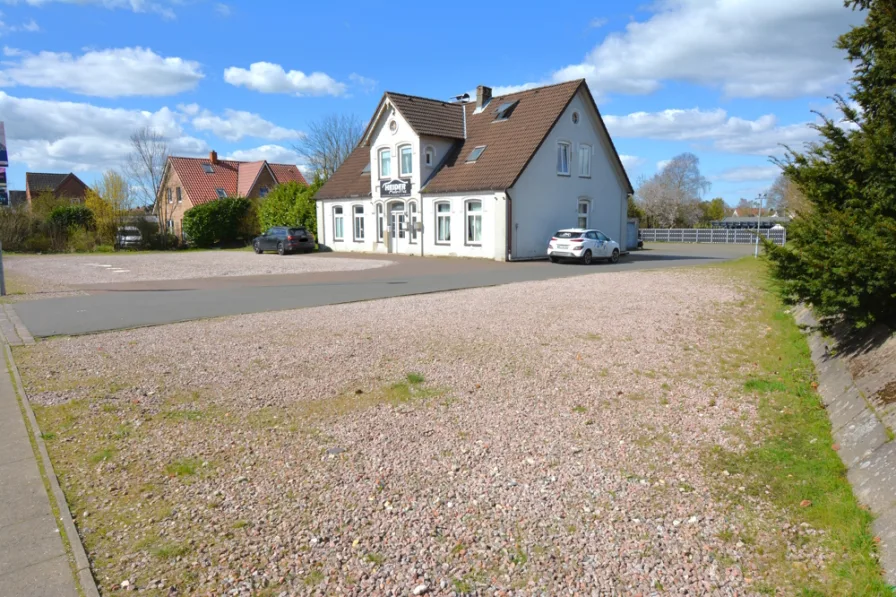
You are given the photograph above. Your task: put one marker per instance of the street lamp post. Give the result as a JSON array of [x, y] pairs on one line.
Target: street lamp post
[[758, 223]]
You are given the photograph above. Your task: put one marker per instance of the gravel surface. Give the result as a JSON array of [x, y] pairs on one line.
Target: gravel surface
[[513, 440], [58, 272]]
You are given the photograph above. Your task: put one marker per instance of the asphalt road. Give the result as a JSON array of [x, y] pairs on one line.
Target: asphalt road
[[135, 304]]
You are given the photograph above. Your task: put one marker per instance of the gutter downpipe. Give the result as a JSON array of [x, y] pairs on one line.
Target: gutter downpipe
[[508, 226]]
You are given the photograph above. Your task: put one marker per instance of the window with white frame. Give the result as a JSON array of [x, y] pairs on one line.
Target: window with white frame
[[180, 198], [406, 160], [412, 208], [385, 163], [584, 210], [338, 229], [380, 222], [563, 158], [358, 218], [474, 222], [443, 222], [585, 161], [430, 157], [168, 194]]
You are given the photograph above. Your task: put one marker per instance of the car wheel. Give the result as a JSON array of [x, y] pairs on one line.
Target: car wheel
[[615, 256], [554, 259], [257, 248], [280, 249], [586, 257]]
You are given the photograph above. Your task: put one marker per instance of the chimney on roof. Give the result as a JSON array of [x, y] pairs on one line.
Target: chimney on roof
[[213, 156], [483, 96]]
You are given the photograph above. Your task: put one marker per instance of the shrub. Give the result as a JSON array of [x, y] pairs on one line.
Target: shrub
[[80, 240], [38, 243], [16, 224], [290, 204], [68, 216], [216, 222], [104, 249]]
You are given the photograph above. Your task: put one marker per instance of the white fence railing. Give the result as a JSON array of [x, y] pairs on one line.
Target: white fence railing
[[711, 235]]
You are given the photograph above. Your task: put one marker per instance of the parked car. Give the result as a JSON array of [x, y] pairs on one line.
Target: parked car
[[128, 237], [284, 240], [582, 244]]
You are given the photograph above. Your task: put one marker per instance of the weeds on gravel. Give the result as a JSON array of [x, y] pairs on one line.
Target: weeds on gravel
[[184, 467], [793, 464]]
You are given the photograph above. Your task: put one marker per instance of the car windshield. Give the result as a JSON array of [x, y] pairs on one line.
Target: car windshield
[[568, 234], [128, 231], [297, 231]]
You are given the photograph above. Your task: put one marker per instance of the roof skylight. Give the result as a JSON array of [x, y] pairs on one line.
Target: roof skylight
[[474, 155], [505, 110], [208, 168], [221, 193]]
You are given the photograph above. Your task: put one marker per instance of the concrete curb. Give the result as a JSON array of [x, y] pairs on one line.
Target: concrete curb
[[865, 445], [82, 564]]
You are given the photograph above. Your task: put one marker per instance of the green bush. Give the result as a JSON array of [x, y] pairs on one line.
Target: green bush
[[68, 216], [104, 249], [290, 204], [38, 243], [841, 252], [80, 240], [16, 225], [216, 222]]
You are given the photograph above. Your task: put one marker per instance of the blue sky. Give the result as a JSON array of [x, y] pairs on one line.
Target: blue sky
[[729, 80]]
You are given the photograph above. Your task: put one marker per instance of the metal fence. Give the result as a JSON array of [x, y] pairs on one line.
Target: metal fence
[[711, 235]]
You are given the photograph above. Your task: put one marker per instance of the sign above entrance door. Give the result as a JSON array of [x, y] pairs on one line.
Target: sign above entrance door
[[395, 188]]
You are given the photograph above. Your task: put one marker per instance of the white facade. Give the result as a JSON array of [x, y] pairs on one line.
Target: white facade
[[475, 224]]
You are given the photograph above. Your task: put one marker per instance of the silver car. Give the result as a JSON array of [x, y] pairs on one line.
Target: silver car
[[128, 237]]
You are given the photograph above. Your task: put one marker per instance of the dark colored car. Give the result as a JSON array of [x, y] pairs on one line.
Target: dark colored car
[[284, 240]]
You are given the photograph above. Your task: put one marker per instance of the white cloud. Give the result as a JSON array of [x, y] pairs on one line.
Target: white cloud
[[272, 153], [597, 23], [749, 174], [631, 162], [365, 83], [236, 124], [71, 136], [29, 26], [104, 73], [132, 5], [661, 165], [761, 48], [223, 9], [189, 109], [715, 128], [272, 78]]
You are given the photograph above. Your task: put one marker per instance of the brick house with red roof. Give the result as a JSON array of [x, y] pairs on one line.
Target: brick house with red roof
[[188, 182]]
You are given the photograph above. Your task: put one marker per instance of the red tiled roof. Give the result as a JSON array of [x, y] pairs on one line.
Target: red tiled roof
[[287, 173], [247, 175], [236, 178]]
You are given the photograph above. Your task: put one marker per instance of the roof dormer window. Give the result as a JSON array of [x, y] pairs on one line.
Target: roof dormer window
[[208, 168], [474, 155]]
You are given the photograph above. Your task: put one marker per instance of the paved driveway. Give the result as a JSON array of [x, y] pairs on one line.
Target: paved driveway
[[134, 304]]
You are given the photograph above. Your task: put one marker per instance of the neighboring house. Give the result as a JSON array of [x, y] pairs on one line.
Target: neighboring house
[[493, 178], [17, 198], [752, 212], [64, 186], [187, 182]]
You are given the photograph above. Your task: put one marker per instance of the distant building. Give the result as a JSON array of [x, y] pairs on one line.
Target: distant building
[[745, 222], [187, 182], [64, 186]]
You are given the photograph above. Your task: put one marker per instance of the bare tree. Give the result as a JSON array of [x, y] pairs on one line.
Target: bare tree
[[672, 196], [786, 198], [329, 141], [145, 164]]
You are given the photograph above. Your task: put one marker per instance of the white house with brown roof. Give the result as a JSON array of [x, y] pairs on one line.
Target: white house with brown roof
[[187, 182], [493, 178]]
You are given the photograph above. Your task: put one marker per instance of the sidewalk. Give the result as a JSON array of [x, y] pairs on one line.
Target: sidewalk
[[33, 561]]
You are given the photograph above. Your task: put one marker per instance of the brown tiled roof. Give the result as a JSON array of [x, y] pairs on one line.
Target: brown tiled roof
[[509, 144], [287, 173], [230, 175], [349, 180], [41, 181], [429, 116]]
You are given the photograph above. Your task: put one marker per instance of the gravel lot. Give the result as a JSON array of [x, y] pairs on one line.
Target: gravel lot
[[510, 440], [58, 273]]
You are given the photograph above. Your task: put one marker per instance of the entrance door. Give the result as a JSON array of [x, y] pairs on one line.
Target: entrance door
[[398, 225]]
